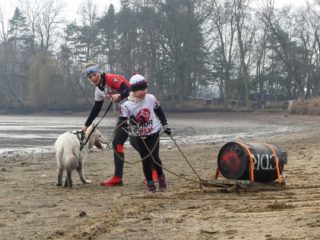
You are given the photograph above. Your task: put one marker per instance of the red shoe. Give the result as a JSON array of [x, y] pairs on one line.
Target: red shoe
[[114, 181], [154, 177]]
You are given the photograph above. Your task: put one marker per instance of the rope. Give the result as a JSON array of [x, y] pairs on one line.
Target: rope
[[199, 181], [95, 126], [141, 160], [121, 158], [184, 156], [177, 175]]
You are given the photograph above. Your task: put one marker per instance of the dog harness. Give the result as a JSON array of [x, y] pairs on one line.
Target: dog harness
[[81, 137]]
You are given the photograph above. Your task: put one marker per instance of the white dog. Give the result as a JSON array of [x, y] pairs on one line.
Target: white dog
[[69, 156]]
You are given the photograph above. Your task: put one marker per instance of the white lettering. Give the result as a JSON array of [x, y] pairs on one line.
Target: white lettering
[[256, 161], [263, 162]]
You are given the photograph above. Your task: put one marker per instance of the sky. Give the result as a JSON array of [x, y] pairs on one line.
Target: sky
[[281, 3], [8, 6]]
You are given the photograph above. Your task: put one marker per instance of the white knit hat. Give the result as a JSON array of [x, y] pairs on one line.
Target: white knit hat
[[138, 82]]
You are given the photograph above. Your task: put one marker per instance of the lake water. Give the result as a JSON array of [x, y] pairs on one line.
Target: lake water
[[38, 133], [30, 134]]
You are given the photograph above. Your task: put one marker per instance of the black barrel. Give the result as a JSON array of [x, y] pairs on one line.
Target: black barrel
[[234, 161]]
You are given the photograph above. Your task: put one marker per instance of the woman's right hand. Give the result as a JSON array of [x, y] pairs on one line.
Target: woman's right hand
[[84, 129]]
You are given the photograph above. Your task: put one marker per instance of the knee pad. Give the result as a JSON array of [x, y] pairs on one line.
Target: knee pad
[[119, 148]]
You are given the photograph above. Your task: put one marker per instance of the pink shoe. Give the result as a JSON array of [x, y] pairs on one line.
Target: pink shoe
[[151, 187], [162, 183], [114, 181]]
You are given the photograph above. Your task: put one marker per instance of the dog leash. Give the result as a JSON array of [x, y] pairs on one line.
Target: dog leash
[[94, 127]]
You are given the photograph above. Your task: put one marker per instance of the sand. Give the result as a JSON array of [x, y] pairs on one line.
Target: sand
[[33, 207]]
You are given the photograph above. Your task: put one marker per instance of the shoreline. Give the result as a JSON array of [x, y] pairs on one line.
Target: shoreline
[[206, 127]]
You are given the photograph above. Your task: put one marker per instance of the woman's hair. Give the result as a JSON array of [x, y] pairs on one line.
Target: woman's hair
[[91, 68], [89, 64]]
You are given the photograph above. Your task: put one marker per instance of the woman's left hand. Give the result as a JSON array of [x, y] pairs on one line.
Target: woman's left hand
[[115, 97]]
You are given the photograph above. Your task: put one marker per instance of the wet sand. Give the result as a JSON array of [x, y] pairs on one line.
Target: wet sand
[[33, 207]]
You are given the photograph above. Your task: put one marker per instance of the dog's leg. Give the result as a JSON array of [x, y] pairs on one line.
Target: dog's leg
[[60, 174], [69, 178], [66, 184], [81, 175]]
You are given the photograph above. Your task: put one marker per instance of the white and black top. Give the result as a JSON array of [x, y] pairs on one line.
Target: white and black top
[[146, 115]]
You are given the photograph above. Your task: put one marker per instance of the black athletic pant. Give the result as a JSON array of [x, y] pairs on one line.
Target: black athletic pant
[[151, 141], [120, 137]]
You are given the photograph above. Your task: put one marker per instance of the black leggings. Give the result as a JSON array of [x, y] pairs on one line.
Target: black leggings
[[151, 141], [120, 137]]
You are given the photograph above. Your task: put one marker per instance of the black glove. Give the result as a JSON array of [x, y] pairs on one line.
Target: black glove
[[167, 129], [132, 120]]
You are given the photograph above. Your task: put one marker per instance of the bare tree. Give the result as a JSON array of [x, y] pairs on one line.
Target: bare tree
[[222, 43], [50, 22], [245, 34], [4, 66], [88, 30], [44, 18], [88, 12], [31, 9], [309, 17], [281, 26], [3, 31]]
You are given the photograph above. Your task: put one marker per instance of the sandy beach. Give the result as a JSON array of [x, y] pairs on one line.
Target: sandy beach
[[33, 207]]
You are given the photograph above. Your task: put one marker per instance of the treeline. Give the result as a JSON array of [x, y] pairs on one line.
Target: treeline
[[251, 50]]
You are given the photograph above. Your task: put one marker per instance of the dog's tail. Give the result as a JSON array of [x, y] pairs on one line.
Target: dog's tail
[[71, 162], [76, 153]]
